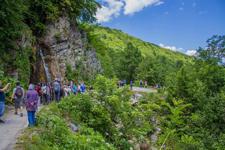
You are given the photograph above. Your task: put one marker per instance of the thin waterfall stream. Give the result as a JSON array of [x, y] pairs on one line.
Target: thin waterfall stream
[[46, 68]]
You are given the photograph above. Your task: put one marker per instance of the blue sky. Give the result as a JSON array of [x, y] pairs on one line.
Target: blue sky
[[176, 24]]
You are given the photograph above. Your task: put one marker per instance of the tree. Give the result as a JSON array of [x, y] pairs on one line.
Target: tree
[[44, 11], [11, 27], [215, 50], [156, 69], [129, 62]]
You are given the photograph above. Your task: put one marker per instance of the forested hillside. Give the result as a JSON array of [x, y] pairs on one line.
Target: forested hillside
[[111, 45]]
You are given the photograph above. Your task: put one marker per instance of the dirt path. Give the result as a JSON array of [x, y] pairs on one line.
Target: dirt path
[[11, 129], [144, 90]]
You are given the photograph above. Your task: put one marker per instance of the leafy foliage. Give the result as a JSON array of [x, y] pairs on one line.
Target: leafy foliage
[[129, 62], [200, 85], [43, 11], [53, 133], [215, 51], [106, 118], [11, 28]]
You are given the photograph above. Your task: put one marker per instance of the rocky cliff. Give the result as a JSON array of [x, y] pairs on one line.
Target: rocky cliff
[[64, 45]]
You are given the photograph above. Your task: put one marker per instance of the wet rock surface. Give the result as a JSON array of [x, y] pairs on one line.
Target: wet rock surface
[[64, 44]]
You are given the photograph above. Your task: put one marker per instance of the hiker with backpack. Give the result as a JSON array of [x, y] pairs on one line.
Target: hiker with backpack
[[18, 97], [57, 90], [31, 102], [46, 93], [2, 99]]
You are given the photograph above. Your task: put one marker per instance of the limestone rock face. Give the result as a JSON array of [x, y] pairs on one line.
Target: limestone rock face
[[64, 44]]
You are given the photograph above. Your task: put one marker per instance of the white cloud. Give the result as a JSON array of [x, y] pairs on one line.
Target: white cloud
[[111, 10], [181, 8], [173, 48], [133, 6], [191, 52]]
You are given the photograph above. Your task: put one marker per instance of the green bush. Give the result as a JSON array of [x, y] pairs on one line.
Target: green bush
[[105, 117]]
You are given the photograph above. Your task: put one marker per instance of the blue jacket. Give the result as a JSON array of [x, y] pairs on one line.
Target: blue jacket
[[82, 88]]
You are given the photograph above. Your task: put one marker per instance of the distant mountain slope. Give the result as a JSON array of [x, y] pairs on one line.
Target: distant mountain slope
[[110, 42]]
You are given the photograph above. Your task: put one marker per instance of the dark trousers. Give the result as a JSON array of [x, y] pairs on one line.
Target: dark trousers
[[31, 118], [57, 96], [46, 99]]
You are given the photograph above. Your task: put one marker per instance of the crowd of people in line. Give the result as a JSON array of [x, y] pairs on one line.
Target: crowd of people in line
[[45, 93], [41, 93]]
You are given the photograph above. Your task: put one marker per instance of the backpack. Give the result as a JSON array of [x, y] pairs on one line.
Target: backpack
[[19, 92], [57, 87]]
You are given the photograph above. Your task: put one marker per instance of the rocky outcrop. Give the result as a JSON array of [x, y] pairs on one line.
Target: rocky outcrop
[[64, 44]]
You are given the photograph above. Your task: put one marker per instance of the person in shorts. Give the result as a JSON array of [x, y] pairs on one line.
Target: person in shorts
[[18, 97]]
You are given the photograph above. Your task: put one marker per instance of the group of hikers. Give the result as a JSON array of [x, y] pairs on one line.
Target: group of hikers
[[142, 83], [41, 93], [44, 93]]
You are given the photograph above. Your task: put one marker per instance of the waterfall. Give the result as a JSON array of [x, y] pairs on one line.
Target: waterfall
[[47, 73]]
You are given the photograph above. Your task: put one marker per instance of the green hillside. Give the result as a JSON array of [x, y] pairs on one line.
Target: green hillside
[[116, 40], [111, 43]]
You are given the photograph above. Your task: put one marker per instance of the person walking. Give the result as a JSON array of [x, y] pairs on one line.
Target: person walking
[[38, 89], [82, 87], [131, 85], [46, 93], [57, 90], [51, 92], [146, 84], [73, 87], [141, 84], [31, 102], [18, 97], [2, 99]]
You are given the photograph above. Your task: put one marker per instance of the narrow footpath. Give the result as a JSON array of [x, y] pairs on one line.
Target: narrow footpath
[[11, 129], [144, 90]]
